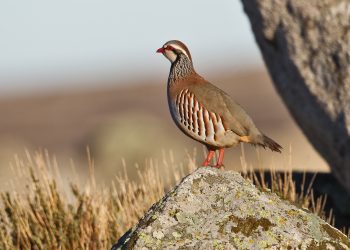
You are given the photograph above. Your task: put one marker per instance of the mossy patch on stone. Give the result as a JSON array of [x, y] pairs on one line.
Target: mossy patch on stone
[[212, 179], [195, 188], [249, 225]]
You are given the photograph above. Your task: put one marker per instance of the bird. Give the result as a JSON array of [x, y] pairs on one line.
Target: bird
[[204, 112]]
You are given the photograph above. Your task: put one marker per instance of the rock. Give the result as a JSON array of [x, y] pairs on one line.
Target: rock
[[215, 209], [306, 48]]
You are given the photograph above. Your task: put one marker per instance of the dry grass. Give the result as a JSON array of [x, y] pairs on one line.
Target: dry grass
[[45, 216]]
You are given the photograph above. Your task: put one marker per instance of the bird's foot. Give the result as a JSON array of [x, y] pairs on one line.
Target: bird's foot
[[205, 164], [221, 166]]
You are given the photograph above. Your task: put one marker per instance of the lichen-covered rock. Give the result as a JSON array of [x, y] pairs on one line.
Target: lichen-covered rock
[[215, 209], [306, 47]]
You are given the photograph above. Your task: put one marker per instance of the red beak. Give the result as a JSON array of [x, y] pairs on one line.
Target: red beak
[[160, 50]]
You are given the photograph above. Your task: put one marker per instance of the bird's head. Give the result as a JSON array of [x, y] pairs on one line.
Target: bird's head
[[174, 49]]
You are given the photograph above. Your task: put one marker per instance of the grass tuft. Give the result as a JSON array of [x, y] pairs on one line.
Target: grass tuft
[[42, 215]]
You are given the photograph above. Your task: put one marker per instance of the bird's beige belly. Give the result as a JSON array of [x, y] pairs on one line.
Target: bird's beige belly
[[200, 124]]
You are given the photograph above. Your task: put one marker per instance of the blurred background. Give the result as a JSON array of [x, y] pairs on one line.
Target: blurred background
[[84, 73]]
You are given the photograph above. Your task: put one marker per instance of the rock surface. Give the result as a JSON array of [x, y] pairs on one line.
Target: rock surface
[[215, 209], [306, 48]]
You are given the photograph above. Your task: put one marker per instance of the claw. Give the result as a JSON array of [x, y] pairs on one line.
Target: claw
[[219, 166]]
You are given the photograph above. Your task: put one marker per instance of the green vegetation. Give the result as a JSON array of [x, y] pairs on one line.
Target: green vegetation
[[44, 214]]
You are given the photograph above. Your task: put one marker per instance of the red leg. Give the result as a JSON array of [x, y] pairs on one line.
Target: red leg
[[209, 157], [221, 158]]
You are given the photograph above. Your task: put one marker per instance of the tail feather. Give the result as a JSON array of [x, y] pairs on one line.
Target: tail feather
[[271, 144], [263, 141]]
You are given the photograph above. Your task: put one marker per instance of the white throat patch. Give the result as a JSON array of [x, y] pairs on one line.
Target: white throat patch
[[170, 55]]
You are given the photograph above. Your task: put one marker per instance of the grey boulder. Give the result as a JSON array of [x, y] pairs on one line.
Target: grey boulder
[[215, 209]]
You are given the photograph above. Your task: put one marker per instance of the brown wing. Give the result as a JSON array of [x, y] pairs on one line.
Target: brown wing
[[217, 101]]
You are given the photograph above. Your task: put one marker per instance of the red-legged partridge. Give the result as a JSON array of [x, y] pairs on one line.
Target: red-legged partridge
[[204, 112]]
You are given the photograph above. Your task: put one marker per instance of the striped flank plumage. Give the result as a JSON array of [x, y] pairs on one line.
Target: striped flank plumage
[[203, 125], [203, 111]]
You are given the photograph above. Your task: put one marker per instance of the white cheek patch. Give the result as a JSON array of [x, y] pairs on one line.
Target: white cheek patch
[[170, 55]]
